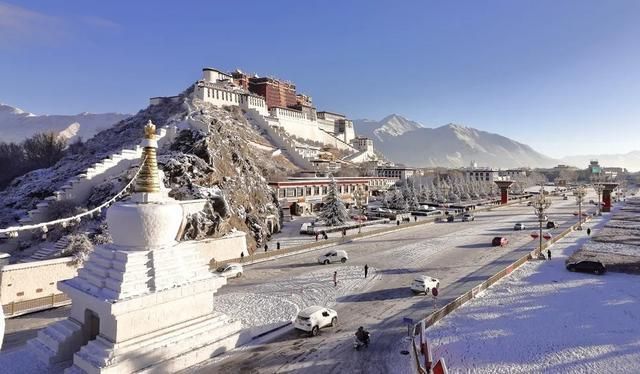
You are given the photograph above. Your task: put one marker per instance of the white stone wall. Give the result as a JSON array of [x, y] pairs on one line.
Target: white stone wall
[[218, 96], [33, 280], [219, 249]]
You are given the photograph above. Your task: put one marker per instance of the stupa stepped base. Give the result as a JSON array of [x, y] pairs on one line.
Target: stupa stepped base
[[55, 343], [166, 351]]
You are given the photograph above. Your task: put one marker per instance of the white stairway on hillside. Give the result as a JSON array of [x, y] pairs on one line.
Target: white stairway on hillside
[[49, 250]]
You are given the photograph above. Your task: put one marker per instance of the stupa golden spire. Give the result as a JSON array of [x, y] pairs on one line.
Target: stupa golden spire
[[148, 180]]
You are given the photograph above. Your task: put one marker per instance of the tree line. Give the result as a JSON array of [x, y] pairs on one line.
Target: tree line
[[39, 151]]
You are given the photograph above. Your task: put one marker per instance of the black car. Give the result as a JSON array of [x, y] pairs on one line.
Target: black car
[[595, 267], [551, 225], [450, 218]]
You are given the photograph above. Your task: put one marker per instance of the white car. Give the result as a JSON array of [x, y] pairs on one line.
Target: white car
[[468, 217], [333, 256], [313, 318], [519, 226], [424, 283], [230, 271]]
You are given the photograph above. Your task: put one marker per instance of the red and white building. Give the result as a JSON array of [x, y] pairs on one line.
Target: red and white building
[[302, 195]]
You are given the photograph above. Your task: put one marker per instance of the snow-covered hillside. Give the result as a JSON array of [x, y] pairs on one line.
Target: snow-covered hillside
[[17, 125], [452, 145]]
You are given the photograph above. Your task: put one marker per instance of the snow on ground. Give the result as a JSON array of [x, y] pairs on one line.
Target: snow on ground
[[543, 318], [278, 302], [619, 248]]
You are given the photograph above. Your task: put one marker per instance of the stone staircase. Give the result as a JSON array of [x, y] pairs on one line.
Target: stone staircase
[[279, 138], [78, 188], [49, 250], [57, 342]]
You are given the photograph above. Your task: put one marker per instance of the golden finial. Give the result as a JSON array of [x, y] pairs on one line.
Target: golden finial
[[148, 180], [150, 130]]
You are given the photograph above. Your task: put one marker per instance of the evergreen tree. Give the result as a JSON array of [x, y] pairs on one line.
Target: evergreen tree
[[333, 212]]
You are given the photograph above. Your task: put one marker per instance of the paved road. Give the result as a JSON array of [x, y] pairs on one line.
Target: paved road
[[459, 254]]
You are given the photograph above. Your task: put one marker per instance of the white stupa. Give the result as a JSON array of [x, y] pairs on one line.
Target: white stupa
[[141, 303]]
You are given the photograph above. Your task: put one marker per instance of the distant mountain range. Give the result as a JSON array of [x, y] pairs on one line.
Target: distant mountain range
[[409, 142], [17, 125]]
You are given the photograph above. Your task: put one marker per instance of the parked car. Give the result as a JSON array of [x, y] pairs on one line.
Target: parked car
[[359, 217], [595, 267], [313, 318], [519, 226], [529, 203], [424, 283], [565, 198], [468, 217], [333, 256], [230, 270], [499, 241], [551, 225], [451, 218]]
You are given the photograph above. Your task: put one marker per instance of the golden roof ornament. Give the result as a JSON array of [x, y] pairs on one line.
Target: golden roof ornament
[[148, 180]]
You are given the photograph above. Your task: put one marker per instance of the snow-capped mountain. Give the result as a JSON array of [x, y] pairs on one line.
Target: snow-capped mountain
[[451, 145], [17, 125], [391, 125]]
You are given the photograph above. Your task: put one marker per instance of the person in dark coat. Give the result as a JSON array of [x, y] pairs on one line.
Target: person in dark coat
[[335, 279], [398, 223], [548, 254], [316, 236], [241, 256], [266, 247], [278, 243], [366, 270], [589, 231]]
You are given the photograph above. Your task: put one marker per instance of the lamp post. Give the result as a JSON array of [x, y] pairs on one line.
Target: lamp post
[[359, 196], [540, 205], [596, 181], [580, 193]]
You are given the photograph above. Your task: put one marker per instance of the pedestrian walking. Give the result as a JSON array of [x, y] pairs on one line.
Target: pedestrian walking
[[366, 270], [316, 236], [398, 223], [241, 256], [335, 279], [266, 247], [589, 231], [548, 254], [415, 218], [324, 235], [278, 243]]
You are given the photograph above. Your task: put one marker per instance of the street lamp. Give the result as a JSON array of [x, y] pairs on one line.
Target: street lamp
[[540, 205], [359, 196], [580, 193], [596, 181]]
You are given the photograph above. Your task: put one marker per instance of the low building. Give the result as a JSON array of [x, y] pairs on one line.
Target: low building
[[491, 175], [305, 195], [397, 172]]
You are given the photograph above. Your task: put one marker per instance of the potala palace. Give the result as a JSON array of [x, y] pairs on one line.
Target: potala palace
[[275, 106]]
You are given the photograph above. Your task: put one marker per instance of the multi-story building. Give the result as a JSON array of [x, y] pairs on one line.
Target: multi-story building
[[302, 195], [490, 175], [397, 172], [275, 92]]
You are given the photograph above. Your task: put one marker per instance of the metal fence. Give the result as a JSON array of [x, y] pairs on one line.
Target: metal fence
[[17, 308]]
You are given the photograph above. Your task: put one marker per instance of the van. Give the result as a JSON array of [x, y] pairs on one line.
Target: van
[[424, 283], [313, 318], [335, 255]]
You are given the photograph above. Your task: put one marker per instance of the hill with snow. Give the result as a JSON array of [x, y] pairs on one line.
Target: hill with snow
[[17, 125], [408, 142]]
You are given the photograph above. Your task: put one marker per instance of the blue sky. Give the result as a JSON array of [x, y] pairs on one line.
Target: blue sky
[[561, 76]]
